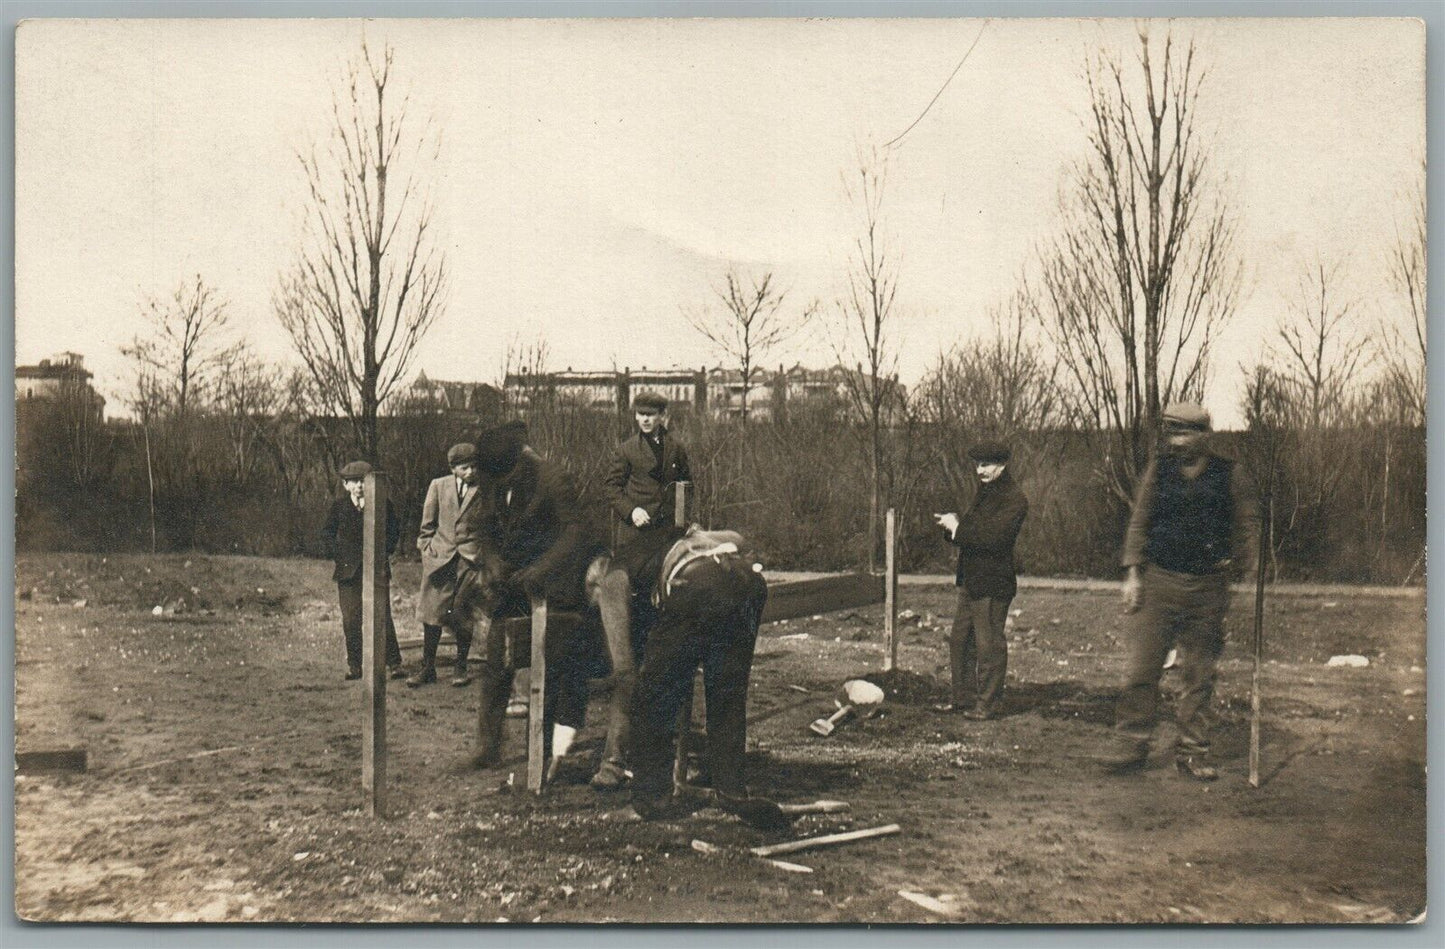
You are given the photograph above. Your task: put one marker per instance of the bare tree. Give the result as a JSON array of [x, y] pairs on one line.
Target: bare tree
[[749, 325], [1144, 272], [250, 398], [1323, 353], [369, 279], [1000, 386], [186, 347], [1404, 345], [866, 317]]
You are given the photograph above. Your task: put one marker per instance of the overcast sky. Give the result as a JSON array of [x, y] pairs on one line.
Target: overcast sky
[[595, 176]]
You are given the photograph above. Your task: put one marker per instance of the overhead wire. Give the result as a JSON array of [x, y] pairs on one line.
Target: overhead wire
[[899, 136]]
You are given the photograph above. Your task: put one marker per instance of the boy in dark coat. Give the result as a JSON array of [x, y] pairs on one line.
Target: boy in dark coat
[[987, 582], [341, 537]]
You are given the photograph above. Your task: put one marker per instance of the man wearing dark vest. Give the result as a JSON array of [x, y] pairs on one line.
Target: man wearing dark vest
[[341, 537], [1192, 524], [987, 581]]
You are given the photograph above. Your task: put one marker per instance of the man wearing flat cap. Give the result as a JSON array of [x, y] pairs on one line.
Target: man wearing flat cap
[[645, 468], [1192, 524], [987, 581], [641, 490], [532, 527], [449, 549], [341, 538]]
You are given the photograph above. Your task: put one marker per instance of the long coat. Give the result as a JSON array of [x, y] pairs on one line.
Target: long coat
[[534, 521], [448, 530], [985, 539], [342, 538], [630, 483]]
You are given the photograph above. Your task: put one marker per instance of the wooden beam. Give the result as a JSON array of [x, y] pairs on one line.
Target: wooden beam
[[375, 603], [827, 840]]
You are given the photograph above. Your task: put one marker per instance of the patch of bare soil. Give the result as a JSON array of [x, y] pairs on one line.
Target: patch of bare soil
[[224, 773]]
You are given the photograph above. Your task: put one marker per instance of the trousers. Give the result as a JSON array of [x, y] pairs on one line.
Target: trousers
[[1184, 611], [710, 619], [349, 593], [978, 650]]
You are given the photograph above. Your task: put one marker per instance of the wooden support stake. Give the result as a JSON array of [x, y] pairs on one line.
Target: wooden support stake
[[827, 840], [890, 593], [375, 591], [681, 496], [536, 692]]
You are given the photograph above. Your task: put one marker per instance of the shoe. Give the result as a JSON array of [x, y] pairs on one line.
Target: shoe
[[353, 673], [611, 776], [462, 677], [1126, 756], [486, 759], [1196, 767], [980, 714], [396, 671], [757, 812], [426, 675]]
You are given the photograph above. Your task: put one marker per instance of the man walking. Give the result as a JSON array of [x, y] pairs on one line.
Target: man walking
[[341, 538], [449, 551], [1193, 520], [987, 581]]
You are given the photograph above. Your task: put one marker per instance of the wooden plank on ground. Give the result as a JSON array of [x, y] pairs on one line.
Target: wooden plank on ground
[[50, 759], [822, 595]]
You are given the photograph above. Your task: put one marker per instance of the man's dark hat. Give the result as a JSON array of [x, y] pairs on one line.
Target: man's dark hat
[[498, 448], [461, 452], [655, 401], [355, 471], [990, 453]]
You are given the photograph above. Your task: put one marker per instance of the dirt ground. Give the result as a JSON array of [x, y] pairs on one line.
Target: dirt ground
[[223, 781]]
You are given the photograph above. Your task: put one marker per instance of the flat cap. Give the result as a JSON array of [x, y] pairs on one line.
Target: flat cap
[[655, 401], [498, 448], [1186, 415], [355, 471], [989, 453], [461, 452]]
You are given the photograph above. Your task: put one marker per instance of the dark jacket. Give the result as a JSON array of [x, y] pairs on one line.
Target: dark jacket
[[985, 539], [636, 480], [533, 520], [1228, 544], [341, 538]]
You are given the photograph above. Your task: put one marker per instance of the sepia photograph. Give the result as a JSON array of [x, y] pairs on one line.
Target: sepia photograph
[[748, 471]]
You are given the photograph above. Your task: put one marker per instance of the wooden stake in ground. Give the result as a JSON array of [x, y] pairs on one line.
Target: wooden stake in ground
[[890, 592], [375, 591], [1254, 698], [826, 840], [682, 494], [536, 689]]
